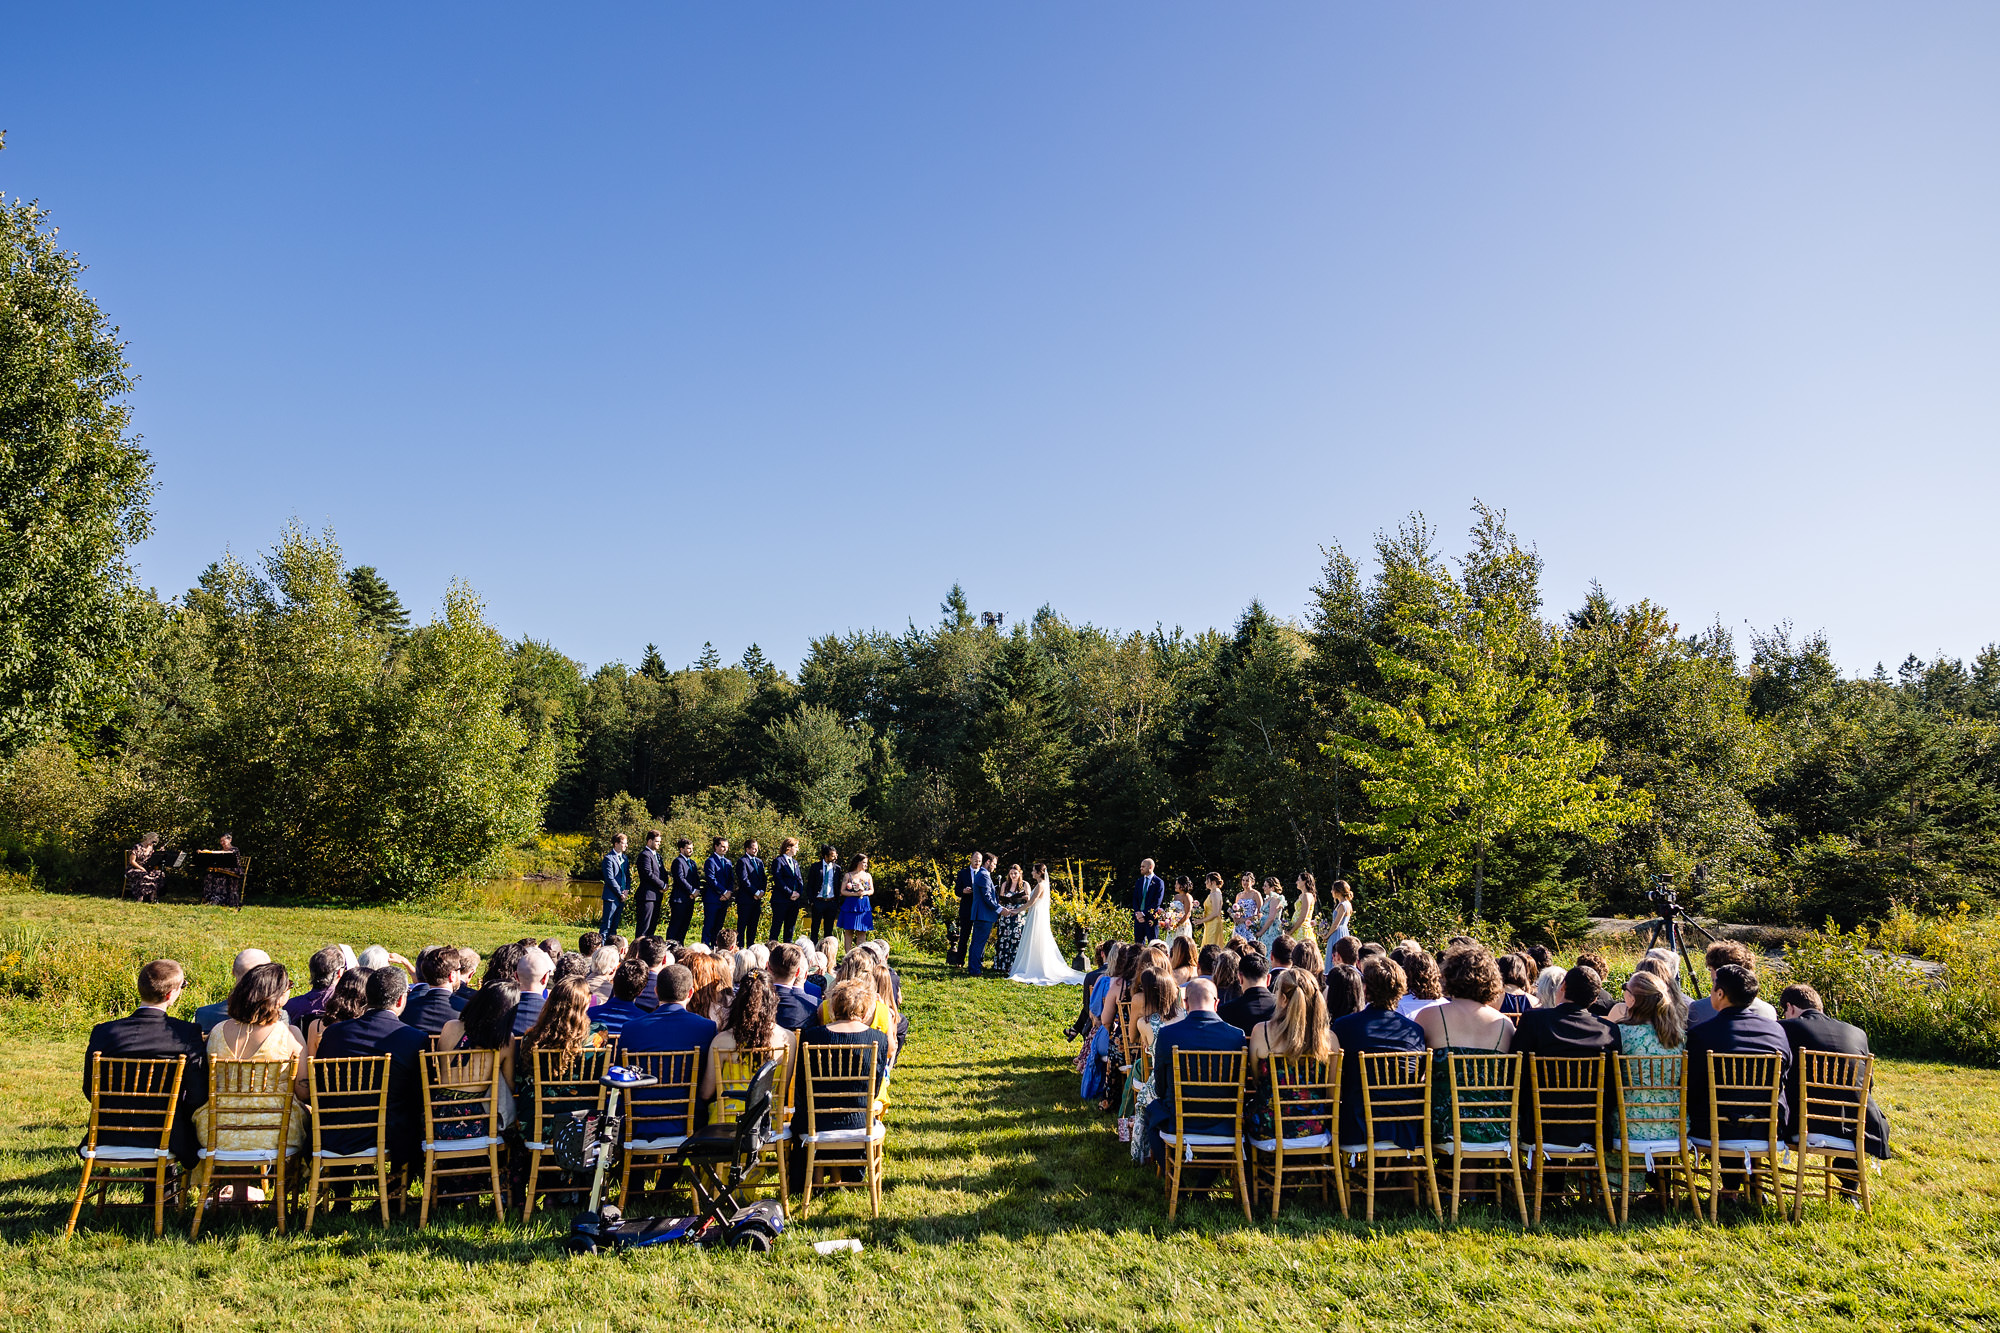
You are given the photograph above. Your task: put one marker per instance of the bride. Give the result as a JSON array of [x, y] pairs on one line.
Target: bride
[[1039, 962]]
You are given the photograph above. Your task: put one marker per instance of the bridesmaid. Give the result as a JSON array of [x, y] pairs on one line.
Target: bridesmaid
[[1183, 909], [1249, 908], [1342, 894], [1013, 895], [857, 907], [1214, 919], [1302, 914], [1272, 923]]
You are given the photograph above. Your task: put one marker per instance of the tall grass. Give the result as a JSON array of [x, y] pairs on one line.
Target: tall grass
[[1954, 1015]]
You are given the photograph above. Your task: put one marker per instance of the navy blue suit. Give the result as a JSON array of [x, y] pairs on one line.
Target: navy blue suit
[[617, 888], [750, 885], [380, 1032], [1199, 1030], [796, 1008], [616, 1015], [429, 1012], [652, 888], [683, 887], [1148, 894], [788, 891], [669, 1028], [1734, 1032], [983, 911], [718, 881], [1368, 1032]]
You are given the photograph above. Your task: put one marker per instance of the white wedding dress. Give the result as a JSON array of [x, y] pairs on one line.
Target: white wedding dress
[[1038, 961]]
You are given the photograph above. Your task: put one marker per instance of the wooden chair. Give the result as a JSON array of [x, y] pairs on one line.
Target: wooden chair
[[1652, 1125], [1485, 1092], [250, 1110], [1569, 1124], [1303, 1088], [564, 1085], [1395, 1090], [1830, 1105], [132, 1105], [1743, 1098], [735, 1071], [670, 1102], [462, 1129], [349, 1095], [837, 1081], [1208, 1089]]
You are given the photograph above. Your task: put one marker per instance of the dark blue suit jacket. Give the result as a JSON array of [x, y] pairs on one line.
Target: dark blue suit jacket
[[617, 1015], [1148, 893], [796, 1009], [983, 900], [528, 1010], [750, 878], [1200, 1030], [651, 881], [1733, 1032], [431, 1011], [380, 1032], [617, 876], [682, 883], [788, 879], [718, 877], [669, 1028], [1365, 1033]]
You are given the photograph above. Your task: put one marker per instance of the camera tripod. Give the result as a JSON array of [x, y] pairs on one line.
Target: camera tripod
[[1672, 929]]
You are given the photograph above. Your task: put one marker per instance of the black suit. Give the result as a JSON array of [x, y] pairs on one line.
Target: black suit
[[1566, 1030], [652, 887], [382, 1032], [1371, 1031], [788, 894], [823, 907], [683, 886], [1815, 1031], [1198, 1031], [429, 1012], [1254, 1006], [1733, 1032], [149, 1034]]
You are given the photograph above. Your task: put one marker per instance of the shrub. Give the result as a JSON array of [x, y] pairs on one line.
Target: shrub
[[1905, 1010]]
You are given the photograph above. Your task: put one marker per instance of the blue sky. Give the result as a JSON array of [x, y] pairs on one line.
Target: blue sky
[[735, 323]]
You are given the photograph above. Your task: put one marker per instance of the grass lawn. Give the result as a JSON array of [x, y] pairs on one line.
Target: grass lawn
[[1009, 1206]]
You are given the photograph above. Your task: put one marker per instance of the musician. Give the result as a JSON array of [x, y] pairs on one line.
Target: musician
[[145, 866], [222, 873]]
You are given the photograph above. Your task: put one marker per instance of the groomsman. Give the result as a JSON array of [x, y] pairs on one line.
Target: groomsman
[[652, 886], [617, 885], [718, 885], [968, 886], [1147, 896], [823, 883], [750, 885], [683, 887], [788, 890]]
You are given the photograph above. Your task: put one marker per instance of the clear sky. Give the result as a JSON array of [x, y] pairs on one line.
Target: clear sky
[[748, 322]]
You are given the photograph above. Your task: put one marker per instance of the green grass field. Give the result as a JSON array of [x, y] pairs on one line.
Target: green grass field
[[1009, 1207]]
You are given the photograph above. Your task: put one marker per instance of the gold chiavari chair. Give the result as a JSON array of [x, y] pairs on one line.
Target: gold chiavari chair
[[1208, 1091], [1485, 1092], [1743, 1093], [839, 1086], [350, 1128], [563, 1086], [735, 1071], [1395, 1104], [462, 1129], [250, 1120], [1652, 1125], [128, 1142], [1569, 1124], [658, 1119], [1830, 1106], [1304, 1096]]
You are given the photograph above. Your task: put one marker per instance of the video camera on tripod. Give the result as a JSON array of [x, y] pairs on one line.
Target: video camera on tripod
[[1673, 927]]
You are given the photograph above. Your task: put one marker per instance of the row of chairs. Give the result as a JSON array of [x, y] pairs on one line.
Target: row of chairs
[[132, 1103], [1580, 1121]]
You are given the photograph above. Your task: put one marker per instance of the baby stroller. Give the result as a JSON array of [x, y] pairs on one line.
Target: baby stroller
[[720, 1158]]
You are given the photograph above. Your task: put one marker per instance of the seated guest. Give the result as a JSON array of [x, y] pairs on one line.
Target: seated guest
[[604, 963], [653, 952], [1808, 1027], [1343, 991], [1205, 961], [531, 973], [1549, 987], [880, 948], [429, 1012], [381, 1031], [671, 1027], [1182, 960], [1200, 1029], [848, 1005], [1516, 976], [795, 1007], [1346, 952], [563, 1029], [1298, 1028], [209, 1015], [325, 968], [1601, 1006], [1281, 957], [1721, 954], [1567, 1028], [1255, 1004], [500, 964], [487, 1024], [553, 948], [589, 943], [468, 968], [1228, 975], [623, 1007], [1305, 957], [349, 1000], [1425, 981], [1736, 1028], [1467, 1020], [1653, 1023], [149, 1034], [1086, 1018], [256, 1029], [1377, 1028], [752, 1026], [572, 967]]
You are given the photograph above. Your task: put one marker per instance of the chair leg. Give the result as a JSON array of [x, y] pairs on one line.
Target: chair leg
[[812, 1167], [430, 1176], [82, 1192], [499, 1199], [1173, 1183], [201, 1181], [1520, 1198], [534, 1172], [1242, 1186], [1541, 1164]]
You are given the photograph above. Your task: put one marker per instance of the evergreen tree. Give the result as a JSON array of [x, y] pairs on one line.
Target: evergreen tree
[[379, 609], [756, 664], [710, 660], [652, 665]]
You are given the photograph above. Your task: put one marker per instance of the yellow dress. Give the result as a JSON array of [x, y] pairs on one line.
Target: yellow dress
[[1302, 920], [1215, 932], [232, 1040]]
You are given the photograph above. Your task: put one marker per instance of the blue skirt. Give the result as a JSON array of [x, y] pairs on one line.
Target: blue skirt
[[856, 914]]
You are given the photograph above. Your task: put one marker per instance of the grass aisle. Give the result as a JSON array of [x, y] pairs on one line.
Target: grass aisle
[[1011, 1207]]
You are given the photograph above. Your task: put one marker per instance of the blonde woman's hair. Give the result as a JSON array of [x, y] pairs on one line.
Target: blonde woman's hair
[[1655, 1002], [849, 1001], [1300, 1026], [859, 964]]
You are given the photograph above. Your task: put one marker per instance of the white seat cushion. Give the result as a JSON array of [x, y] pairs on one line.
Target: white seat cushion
[[111, 1152], [365, 1155], [1567, 1149], [248, 1154], [875, 1133], [1648, 1147], [654, 1145], [1300, 1144], [1733, 1145], [1826, 1142], [459, 1145], [1382, 1147], [1500, 1149]]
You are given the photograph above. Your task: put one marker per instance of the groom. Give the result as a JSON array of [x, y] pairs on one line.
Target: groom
[[982, 911], [1147, 896]]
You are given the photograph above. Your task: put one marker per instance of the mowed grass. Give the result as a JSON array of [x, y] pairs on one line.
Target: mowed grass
[[1010, 1206]]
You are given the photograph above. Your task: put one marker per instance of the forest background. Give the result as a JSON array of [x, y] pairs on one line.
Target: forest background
[[1428, 730]]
